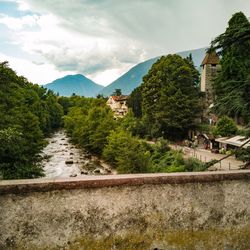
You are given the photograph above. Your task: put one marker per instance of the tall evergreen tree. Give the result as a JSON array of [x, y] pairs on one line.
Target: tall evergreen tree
[[232, 86], [135, 101]]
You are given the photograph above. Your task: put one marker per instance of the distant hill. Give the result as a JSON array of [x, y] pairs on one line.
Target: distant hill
[[133, 78], [78, 84]]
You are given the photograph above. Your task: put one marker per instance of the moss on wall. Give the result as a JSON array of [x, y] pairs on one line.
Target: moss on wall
[[233, 238]]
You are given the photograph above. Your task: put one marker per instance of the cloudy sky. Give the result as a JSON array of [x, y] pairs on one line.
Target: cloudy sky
[[47, 39]]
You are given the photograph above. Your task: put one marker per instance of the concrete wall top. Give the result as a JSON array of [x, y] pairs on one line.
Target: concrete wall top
[[44, 185]]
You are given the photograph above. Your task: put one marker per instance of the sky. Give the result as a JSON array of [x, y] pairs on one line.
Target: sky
[[47, 39]]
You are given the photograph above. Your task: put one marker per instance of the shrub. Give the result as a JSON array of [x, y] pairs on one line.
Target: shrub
[[126, 153], [225, 127], [193, 165]]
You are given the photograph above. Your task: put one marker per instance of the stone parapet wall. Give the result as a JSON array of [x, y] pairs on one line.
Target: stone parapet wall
[[147, 211]]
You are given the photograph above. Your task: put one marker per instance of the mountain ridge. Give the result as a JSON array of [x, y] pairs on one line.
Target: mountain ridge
[[77, 83], [133, 77], [81, 85]]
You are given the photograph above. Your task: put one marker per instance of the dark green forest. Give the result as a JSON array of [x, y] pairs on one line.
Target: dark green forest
[[28, 114], [163, 108]]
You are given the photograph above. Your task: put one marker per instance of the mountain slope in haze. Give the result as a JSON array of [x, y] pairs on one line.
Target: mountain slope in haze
[[133, 78], [78, 84]]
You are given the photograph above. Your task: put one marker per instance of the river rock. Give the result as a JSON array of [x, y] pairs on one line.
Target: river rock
[[69, 162], [73, 175], [97, 171], [71, 153], [84, 172]]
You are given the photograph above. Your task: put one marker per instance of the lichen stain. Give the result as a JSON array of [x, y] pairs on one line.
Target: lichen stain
[[215, 239]]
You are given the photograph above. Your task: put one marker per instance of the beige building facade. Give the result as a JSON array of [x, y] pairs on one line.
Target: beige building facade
[[118, 104]]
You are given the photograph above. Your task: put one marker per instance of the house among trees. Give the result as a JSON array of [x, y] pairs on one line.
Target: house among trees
[[118, 104]]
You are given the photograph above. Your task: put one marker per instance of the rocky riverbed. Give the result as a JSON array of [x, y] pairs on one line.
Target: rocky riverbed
[[63, 159]]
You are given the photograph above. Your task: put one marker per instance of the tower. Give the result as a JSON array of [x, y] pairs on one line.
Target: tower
[[210, 66]]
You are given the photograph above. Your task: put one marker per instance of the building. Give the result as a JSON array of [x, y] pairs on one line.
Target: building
[[210, 67], [118, 104], [233, 142]]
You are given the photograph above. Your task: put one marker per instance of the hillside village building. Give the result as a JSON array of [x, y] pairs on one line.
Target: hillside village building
[[118, 104], [210, 67]]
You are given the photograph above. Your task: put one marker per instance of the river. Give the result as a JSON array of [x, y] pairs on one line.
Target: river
[[62, 159]]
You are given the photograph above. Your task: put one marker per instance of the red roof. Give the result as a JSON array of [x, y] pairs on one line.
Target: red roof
[[119, 98]]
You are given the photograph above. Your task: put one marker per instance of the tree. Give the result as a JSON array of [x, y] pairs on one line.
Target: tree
[[232, 86], [126, 153], [244, 155], [89, 122], [117, 92], [28, 112], [135, 101], [225, 127], [170, 97]]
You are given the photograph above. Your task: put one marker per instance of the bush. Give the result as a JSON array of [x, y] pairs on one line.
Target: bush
[[225, 127], [193, 165], [170, 161], [126, 153]]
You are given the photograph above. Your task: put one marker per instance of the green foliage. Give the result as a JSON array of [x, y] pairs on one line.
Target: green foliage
[[132, 124], [232, 86], [28, 112], [126, 153], [244, 155], [171, 161], [205, 128], [117, 92], [135, 102], [89, 122], [170, 97], [194, 165], [225, 127]]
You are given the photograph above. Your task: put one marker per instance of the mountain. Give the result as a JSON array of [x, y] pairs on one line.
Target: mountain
[[133, 78], [78, 84]]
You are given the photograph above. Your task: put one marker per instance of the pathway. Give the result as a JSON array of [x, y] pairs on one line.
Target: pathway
[[206, 155]]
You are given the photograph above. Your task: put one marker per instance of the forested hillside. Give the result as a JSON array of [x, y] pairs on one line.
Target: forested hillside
[[28, 113]]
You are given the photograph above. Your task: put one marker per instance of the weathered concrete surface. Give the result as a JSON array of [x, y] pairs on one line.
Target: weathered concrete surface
[[175, 211]]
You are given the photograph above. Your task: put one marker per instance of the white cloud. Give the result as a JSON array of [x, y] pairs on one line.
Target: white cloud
[[35, 73], [104, 38], [19, 23]]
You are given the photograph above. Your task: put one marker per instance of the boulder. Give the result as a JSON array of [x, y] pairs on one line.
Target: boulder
[[84, 172], [69, 162], [97, 171]]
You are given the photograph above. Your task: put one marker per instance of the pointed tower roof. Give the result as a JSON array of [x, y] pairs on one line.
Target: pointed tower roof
[[211, 58]]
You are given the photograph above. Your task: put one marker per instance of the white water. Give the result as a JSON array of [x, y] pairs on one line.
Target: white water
[[59, 150]]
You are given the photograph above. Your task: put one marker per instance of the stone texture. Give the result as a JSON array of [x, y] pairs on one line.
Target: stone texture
[[176, 211]]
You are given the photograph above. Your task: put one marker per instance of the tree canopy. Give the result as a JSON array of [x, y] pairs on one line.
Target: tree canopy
[[170, 97], [28, 113], [232, 86]]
